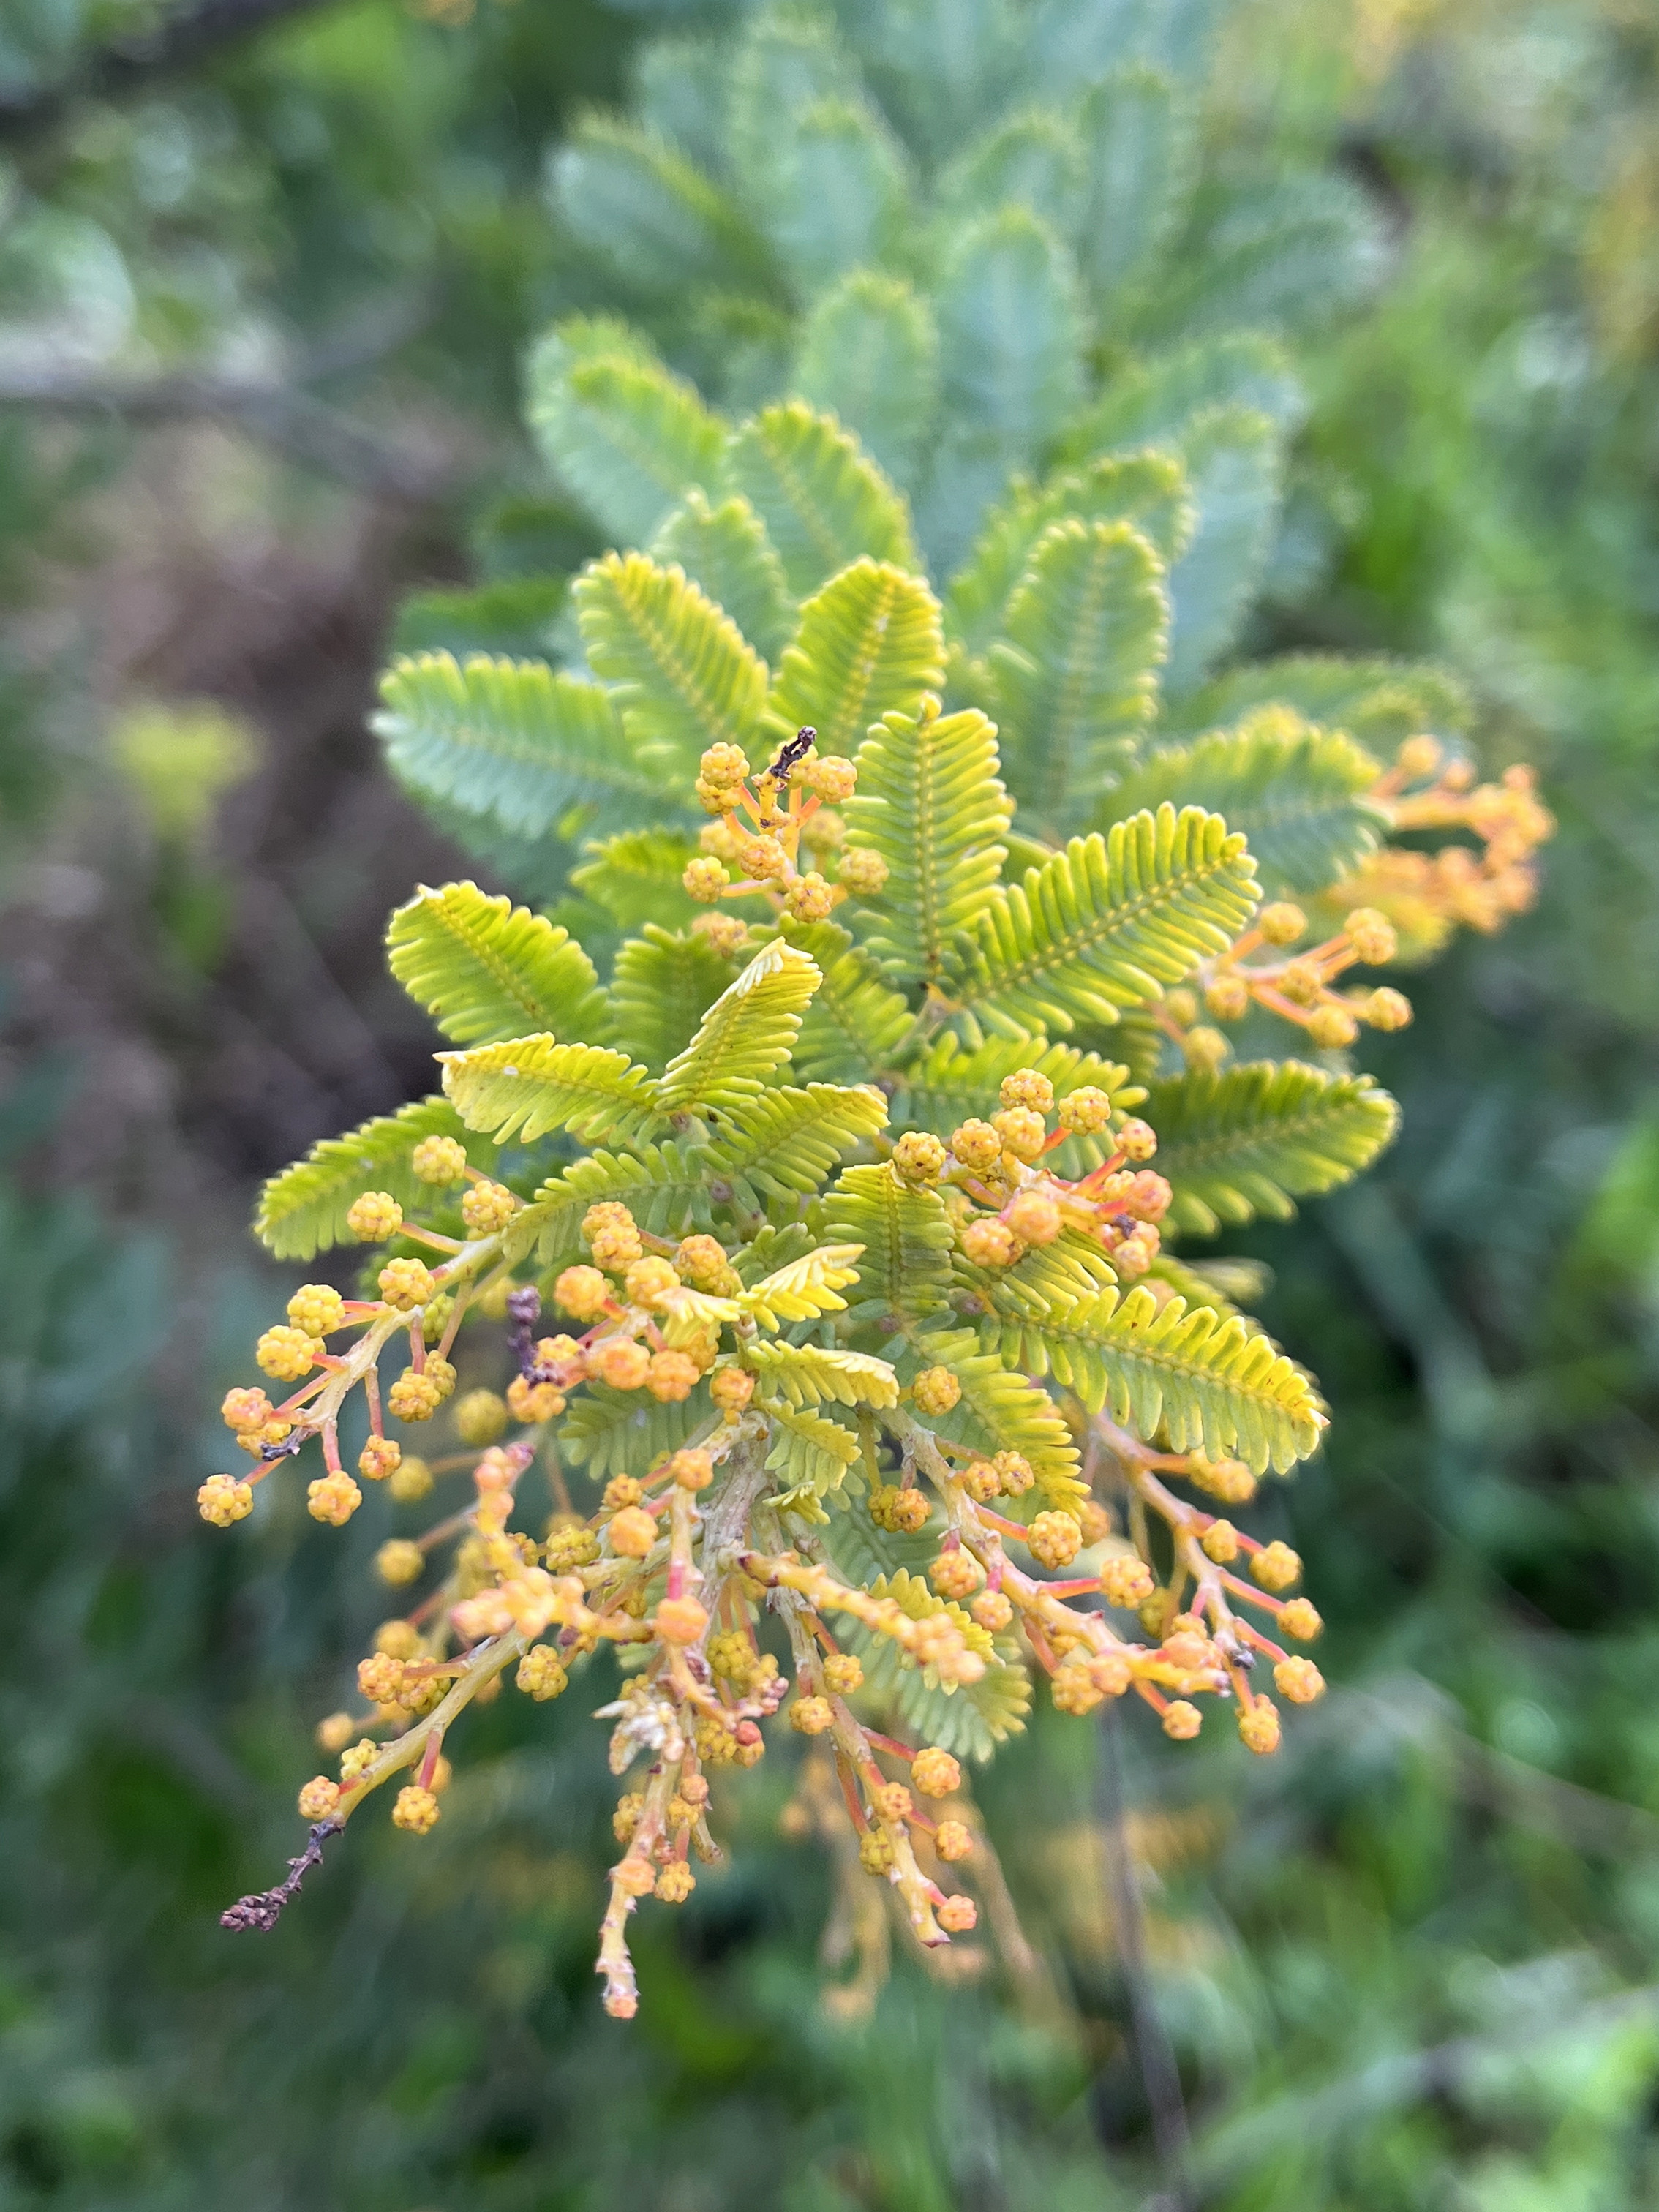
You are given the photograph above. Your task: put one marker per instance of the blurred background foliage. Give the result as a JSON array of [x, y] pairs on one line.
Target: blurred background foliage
[[261, 317]]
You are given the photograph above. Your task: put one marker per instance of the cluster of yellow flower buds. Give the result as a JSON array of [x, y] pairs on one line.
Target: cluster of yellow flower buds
[[763, 824]]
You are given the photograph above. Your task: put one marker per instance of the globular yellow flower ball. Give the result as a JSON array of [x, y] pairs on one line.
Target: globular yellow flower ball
[[399, 1562], [892, 1802], [812, 1715], [731, 1388], [810, 897], [1275, 1566], [1055, 1539], [701, 1260], [1014, 1472], [875, 1851], [1023, 1130], [1127, 1582], [1372, 936], [675, 1883], [1183, 1721], [582, 1292], [1074, 1690], [486, 1207], [1137, 1139], [319, 1799], [1086, 1111], [649, 1282], [953, 1841], [1300, 1620], [1227, 997], [843, 1673], [245, 1408], [672, 1377], [762, 859], [1281, 923], [1299, 1681], [406, 1283], [1330, 1027], [633, 1531], [532, 1403], [222, 1500], [955, 1574], [992, 1610], [1220, 1542], [705, 878], [480, 1417], [680, 1619], [542, 1673], [285, 1354], [439, 1161], [691, 1468], [318, 1309], [375, 1216], [988, 1243], [1386, 1010], [1228, 1480], [416, 1810], [830, 778], [333, 1499], [335, 1732], [414, 1397], [1026, 1087], [958, 1915], [1033, 1217], [380, 1459], [935, 1391], [1258, 1725], [620, 1363], [920, 1158], [410, 1481], [935, 1773], [862, 872]]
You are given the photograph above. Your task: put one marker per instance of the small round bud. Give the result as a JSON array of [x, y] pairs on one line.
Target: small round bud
[[1299, 1681], [1137, 1139], [222, 1499], [1228, 1480], [621, 1490], [955, 1574], [380, 1458], [649, 1282], [862, 871], [1220, 1543], [832, 778], [1419, 757], [612, 1236], [410, 1481], [480, 1417], [1258, 1725], [247, 1409], [1055, 1539], [633, 1531], [731, 1388], [333, 1499], [1303, 984], [486, 1207], [762, 858], [1086, 1111], [534, 1403], [335, 1733], [1299, 1619], [1074, 1690], [1281, 923], [1023, 1130], [1205, 1048], [920, 1158], [1033, 1217], [1183, 1721], [675, 1883], [620, 1363], [285, 1354], [982, 1481], [812, 1715], [705, 878], [692, 1467], [723, 764], [582, 1292], [416, 1810], [724, 933], [1386, 1010], [680, 1619], [1148, 1196], [958, 1915], [810, 897], [1014, 1472], [1026, 1087], [413, 1397], [935, 1391], [1372, 936], [439, 1160], [910, 1511], [935, 1773], [988, 1243], [1332, 1026], [1227, 997], [701, 1261], [977, 1145], [992, 1610], [1127, 1582], [319, 1799], [825, 831], [399, 1562], [318, 1309], [375, 1216], [954, 1841], [405, 1284], [875, 1852], [843, 1674], [1275, 1566]]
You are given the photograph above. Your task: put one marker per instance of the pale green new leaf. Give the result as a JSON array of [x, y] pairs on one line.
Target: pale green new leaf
[[823, 503], [810, 1455], [1137, 140], [1108, 923], [1076, 669], [1011, 333], [636, 876], [512, 741], [1297, 792], [855, 1022], [1381, 702], [817, 1374], [484, 968], [661, 987], [1189, 1378], [682, 674], [805, 1290], [726, 553], [664, 1187], [744, 1036], [303, 1211], [930, 802], [1146, 490], [629, 438], [868, 353], [905, 1237], [532, 1085], [870, 642], [785, 1143], [1235, 460], [1246, 1140]]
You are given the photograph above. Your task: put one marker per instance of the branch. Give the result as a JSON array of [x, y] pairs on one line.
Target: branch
[[110, 72]]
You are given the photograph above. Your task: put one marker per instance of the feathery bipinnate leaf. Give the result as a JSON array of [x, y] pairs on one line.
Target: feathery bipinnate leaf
[[838, 195], [1246, 1140], [726, 552], [1011, 333], [816, 1374], [930, 802], [745, 1036], [512, 741], [1137, 143], [1290, 252], [631, 200], [783, 62], [662, 984], [531, 1086], [855, 1022], [1002, 1410], [905, 1236], [1186, 1376], [1380, 702], [870, 642], [636, 876], [612, 1431], [484, 968], [1146, 490], [303, 1211], [971, 1718], [1033, 161], [810, 1455], [868, 353], [680, 671], [1297, 792], [1076, 668], [628, 437], [1234, 460], [1108, 923], [1154, 402], [952, 1084], [822, 501], [805, 1290]]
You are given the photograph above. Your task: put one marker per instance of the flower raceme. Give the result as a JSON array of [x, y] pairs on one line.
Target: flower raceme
[[843, 1261]]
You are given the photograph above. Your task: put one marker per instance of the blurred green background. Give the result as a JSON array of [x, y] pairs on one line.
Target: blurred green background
[[262, 295]]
